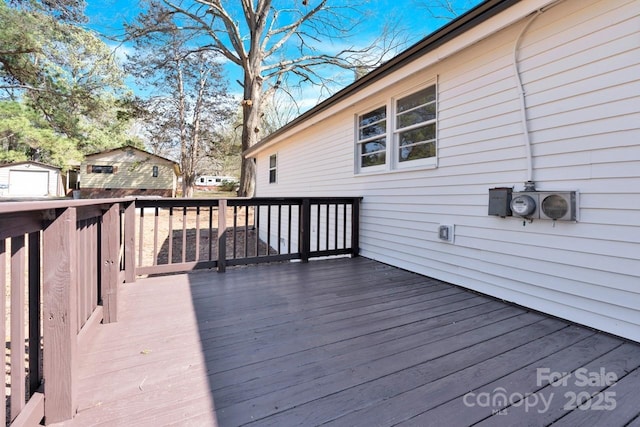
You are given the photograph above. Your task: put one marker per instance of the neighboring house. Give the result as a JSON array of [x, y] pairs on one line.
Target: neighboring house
[[425, 137], [30, 179], [127, 171]]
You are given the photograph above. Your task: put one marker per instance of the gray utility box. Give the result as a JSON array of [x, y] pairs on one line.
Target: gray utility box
[[500, 201]]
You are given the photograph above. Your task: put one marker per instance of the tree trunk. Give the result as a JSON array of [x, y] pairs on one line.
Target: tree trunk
[[251, 109], [187, 185], [185, 163]]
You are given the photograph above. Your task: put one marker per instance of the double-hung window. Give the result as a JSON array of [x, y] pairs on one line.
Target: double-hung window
[[415, 127], [400, 134], [273, 168], [372, 138]]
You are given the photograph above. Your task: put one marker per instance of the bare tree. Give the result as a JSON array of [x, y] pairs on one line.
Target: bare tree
[[280, 108], [273, 42], [189, 103]]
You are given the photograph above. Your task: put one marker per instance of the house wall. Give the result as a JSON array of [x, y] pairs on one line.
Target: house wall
[[4, 181], [580, 66], [54, 186], [133, 175]]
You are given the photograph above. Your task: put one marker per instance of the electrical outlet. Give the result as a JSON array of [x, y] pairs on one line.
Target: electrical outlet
[[446, 232]]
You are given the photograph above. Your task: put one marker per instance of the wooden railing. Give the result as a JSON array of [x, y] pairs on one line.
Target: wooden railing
[[59, 266], [184, 234], [61, 263]]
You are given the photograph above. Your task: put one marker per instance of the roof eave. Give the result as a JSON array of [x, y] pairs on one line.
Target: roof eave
[[31, 162], [125, 147], [460, 25]]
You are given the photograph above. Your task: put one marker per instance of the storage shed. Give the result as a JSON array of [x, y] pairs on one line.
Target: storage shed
[[30, 179]]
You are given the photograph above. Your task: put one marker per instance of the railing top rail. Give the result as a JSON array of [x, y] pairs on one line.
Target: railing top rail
[[178, 202], [333, 200], [39, 205], [264, 201], [159, 202], [290, 200]]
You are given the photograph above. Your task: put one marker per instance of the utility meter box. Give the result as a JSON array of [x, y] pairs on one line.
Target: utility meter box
[[553, 205], [500, 201]]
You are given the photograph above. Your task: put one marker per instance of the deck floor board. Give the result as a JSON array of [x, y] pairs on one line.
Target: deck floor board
[[343, 342]]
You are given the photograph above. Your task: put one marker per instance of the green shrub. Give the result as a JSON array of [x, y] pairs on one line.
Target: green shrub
[[228, 185]]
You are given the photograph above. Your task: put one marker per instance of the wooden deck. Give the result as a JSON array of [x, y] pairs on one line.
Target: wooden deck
[[344, 342]]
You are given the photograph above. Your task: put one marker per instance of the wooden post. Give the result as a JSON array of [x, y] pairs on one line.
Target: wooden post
[[34, 312], [305, 230], [109, 262], [355, 227], [60, 318], [3, 273], [222, 236], [17, 324], [130, 243], [140, 237]]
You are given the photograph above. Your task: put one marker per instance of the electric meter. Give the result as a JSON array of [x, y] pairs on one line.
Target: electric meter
[[558, 205], [555, 206], [523, 205]]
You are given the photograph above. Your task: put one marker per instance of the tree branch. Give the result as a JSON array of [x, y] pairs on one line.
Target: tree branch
[[22, 86], [232, 30], [289, 30]]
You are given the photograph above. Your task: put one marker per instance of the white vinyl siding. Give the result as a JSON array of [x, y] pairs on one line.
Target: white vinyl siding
[[580, 66]]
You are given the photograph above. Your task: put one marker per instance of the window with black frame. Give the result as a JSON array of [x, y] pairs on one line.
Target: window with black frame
[[101, 169]]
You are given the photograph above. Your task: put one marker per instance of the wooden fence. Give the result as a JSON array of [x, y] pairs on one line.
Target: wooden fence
[[61, 263]]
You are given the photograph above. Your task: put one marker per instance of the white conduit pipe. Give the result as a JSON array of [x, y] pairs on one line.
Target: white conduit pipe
[[523, 104]]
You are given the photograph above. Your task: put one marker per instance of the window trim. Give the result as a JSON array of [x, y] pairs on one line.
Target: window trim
[[393, 163], [423, 162], [273, 169], [359, 143]]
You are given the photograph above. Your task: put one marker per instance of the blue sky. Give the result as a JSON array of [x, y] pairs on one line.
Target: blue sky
[[107, 16]]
